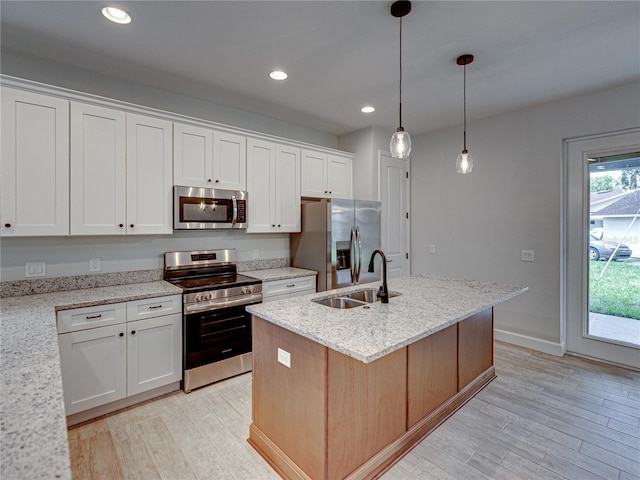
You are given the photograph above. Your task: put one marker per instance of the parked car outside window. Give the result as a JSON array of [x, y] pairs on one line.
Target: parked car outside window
[[602, 249]]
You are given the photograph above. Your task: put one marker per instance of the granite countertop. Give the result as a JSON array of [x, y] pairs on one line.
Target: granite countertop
[[426, 305], [34, 429], [272, 274]]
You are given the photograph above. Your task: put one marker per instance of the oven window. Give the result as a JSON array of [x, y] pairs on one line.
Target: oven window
[[205, 210]]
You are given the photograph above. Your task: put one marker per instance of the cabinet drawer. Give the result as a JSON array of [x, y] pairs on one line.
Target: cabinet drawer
[[91, 317], [154, 307], [287, 286]]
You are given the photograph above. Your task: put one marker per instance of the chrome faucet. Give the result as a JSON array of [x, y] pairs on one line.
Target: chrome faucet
[[383, 292]]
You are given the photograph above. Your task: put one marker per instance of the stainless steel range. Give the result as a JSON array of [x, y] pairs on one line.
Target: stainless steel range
[[216, 326]]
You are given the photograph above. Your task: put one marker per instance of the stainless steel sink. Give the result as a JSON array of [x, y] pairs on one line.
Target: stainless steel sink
[[353, 299], [368, 295], [338, 302]]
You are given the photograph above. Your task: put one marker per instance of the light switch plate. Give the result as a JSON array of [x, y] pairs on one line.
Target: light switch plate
[[284, 357]]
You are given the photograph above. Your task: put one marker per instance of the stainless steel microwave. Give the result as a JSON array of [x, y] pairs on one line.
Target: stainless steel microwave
[[196, 208]]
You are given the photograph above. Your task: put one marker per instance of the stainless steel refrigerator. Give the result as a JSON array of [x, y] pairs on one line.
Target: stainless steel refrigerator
[[337, 240]]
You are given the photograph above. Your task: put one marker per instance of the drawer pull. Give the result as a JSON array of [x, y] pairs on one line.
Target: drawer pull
[[121, 334], [292, 285], [155, 306], [91, 317], [227, 350], [133, 332]]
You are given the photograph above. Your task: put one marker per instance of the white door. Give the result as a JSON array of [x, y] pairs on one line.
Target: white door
[[261, 186], [149, 175], [339, 177], [313, 174], [35, 164], [576, 247], [154, 353], [394, 196], [287, 188], [94, 364], [98, 178], [192, 156], [229, 161]]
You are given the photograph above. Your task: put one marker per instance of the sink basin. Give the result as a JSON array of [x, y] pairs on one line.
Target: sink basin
[[338, 302], [369, 295], [353, 299]]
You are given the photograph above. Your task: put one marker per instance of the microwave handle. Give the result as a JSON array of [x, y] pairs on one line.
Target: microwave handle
[[234, 209]]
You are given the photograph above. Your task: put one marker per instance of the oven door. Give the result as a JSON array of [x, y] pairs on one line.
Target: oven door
[[196, 208], [214, 335]]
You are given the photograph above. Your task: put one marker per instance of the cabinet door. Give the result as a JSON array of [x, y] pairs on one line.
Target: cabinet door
[[261, 186], [192, 156], [339, 177], [154, 353], [97, 170], [149, 175], [229, 161], [287, 189], [93, 364], [313, 174], [35, 164]]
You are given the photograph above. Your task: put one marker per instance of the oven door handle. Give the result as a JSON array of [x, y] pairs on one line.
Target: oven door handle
[[223, 303]]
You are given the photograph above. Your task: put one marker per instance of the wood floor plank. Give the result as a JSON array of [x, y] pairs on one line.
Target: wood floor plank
[[544, 417]]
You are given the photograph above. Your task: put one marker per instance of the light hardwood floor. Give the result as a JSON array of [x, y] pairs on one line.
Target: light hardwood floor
[[544, 417]]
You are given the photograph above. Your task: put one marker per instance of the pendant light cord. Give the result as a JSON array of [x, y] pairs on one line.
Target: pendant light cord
[[464, 106], [400, 89]]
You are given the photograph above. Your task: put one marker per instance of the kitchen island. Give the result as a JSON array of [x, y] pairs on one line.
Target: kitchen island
[[344, 393]]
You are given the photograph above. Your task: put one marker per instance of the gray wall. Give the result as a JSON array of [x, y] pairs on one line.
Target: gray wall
[[479, 223], [65, 76]]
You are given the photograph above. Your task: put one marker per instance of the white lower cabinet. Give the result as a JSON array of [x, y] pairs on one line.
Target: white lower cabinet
[[288, 288], [103, 364]]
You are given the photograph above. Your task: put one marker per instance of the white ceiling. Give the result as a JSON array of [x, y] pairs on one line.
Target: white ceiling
[[341, 55]]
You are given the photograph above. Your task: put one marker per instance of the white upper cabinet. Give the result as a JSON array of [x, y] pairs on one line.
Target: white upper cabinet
[[121, 177], [273, 182], [208, 158], [34, 173], [192, 156], [326, 175], [149, 175], [229, 161], [287, 188], [98, 170]]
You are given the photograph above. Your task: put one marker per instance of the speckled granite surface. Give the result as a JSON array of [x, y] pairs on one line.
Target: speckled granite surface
[[32, 417], [279, 273], [95, 280], [427, 304]]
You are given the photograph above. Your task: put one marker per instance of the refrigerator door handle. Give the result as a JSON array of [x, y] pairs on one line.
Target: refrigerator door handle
[[352, 247], [359, 248]]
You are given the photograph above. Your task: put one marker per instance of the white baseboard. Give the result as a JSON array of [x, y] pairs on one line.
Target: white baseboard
[[545, 346]]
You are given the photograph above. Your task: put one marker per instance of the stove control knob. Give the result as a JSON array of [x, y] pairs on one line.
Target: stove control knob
[[199, 297], [210, 296]]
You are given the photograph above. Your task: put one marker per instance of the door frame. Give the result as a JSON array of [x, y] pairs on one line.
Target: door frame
[[407, 162], [574, 293]]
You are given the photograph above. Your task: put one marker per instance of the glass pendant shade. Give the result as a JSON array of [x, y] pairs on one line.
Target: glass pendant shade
[[400, 144], [464, 163]]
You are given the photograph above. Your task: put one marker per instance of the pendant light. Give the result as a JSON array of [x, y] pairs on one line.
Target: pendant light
[[464, 163], [400, 144]]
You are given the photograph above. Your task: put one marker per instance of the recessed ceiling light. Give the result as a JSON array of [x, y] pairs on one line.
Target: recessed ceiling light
[[278, 75], [116, 15], [368, 109]]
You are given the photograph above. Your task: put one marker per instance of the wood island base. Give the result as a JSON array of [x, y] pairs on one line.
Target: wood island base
[[329, 416]]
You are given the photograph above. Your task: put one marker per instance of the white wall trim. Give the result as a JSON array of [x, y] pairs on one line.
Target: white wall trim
[[74, 95], [545, 346]]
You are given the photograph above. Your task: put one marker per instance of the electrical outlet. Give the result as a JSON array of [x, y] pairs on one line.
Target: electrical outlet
[[527, 255], [432, 248], [284, 357], [35, 269], [256, 253], [94, 265]]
